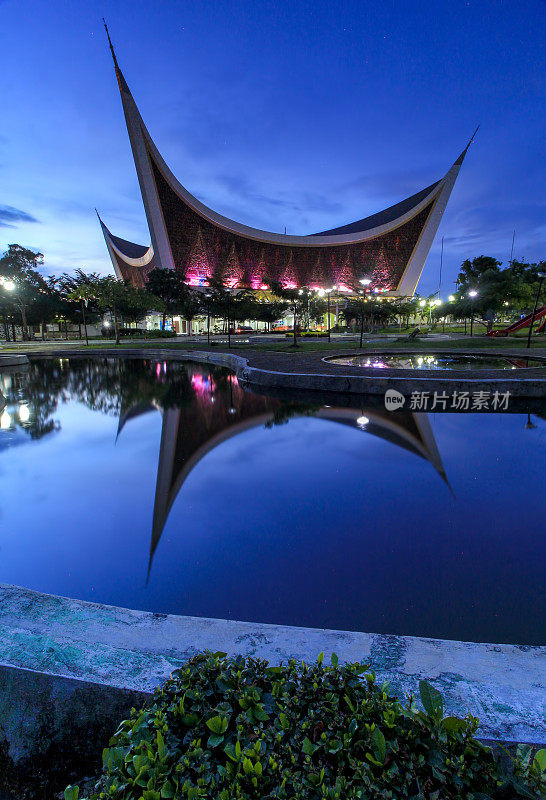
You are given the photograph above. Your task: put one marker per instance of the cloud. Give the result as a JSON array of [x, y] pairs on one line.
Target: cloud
[[9, 216], [400, 183], [247, 199]]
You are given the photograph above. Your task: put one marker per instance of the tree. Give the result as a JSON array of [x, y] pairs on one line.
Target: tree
[[19, 266], [190, 305], [110, 294], [222, 301], [499, 291], [83, 293], [473, 272], [369, 311], [297, 299], [168, 285]]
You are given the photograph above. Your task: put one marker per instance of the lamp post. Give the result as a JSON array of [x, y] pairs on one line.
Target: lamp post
[[9, 286], [328, 310], [228, 317], [84, 303], [541, 276], [365, 282], [207, 298], [472, 294]]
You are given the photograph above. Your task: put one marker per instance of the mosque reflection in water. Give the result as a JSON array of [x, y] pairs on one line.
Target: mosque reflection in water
[[201, 406]]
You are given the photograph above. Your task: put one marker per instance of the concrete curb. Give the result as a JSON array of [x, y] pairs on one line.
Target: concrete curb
[[12, 360], [54, 646]]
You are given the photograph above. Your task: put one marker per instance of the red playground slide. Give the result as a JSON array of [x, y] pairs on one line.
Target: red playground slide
[[521, 323]]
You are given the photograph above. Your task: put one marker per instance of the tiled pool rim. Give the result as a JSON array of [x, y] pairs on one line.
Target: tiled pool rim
[[58, 653]]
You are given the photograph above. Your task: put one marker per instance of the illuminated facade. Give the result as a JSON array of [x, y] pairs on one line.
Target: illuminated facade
[[389, 248]]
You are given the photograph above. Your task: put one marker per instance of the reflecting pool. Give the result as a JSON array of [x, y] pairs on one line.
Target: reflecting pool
[[434, 361], [167, 487]]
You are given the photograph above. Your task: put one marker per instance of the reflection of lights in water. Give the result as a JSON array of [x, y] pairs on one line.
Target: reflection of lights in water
[[362, 422], [5, 420], [24, 413], [378, 365], [232, 410], [203, 385], [420, 360]]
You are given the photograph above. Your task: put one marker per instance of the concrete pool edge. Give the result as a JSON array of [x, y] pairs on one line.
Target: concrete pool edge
[[360, 381], [69, 659]]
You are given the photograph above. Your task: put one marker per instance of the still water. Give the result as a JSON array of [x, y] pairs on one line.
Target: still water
[[434, 361], [167, 487]]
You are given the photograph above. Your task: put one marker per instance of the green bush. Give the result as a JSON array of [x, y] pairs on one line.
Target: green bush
[[308, 334], [138, 333], [228, 729]]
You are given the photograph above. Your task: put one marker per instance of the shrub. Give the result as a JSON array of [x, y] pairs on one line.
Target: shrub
[[228, 729], [138, 333], [309, 334]]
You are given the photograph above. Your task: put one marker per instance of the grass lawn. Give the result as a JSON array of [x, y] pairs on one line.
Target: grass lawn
[[305, 345]]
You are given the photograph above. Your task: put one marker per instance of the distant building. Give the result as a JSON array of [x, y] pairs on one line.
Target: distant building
[[388, 248]]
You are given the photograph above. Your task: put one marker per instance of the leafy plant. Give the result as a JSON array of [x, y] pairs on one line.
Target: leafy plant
[[237, 728]]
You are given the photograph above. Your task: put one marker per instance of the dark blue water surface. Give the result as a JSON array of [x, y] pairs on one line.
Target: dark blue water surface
[[166, 487]]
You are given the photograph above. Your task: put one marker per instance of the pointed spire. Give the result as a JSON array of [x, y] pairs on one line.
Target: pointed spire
[[119, 74], [463, 154], [111, 45]]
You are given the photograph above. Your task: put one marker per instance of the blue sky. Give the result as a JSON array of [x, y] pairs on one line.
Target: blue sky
[[299, 114]]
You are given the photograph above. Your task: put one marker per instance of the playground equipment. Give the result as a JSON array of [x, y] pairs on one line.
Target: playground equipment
[[522, 323]]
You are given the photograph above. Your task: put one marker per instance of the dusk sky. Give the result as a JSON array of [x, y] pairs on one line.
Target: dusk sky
[[307, 115]]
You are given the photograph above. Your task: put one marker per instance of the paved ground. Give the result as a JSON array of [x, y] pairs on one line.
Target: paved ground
[[303, 359]]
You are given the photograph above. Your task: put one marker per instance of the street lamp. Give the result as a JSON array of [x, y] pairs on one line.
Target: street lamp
[[472, 294], [541, 276], [365, 281], [207, 298], [451, 298], [328, 309]]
